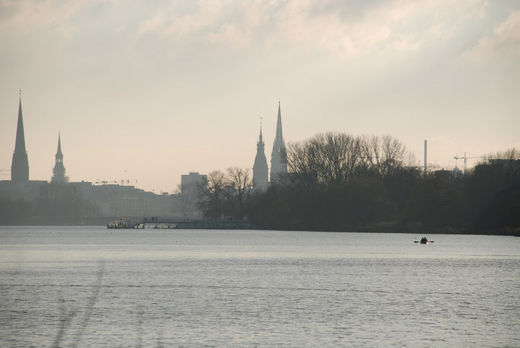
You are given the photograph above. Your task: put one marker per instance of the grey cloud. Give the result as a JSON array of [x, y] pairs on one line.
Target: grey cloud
[[8, 10], [505, 39]]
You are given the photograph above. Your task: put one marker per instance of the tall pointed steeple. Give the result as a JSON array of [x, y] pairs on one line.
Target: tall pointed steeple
[[20, 164], [279, 134], [58, 153], [260, 169], [279, 154], [58, 176]]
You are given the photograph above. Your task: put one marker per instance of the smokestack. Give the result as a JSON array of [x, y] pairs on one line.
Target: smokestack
[[425, 155]]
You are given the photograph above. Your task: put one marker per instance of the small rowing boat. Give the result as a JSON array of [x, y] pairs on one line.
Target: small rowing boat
[[423, 240]]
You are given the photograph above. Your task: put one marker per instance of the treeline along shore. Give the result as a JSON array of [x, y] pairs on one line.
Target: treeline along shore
[[335, 182], [339, 182]]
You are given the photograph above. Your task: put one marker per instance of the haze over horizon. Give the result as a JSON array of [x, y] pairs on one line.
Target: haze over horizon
[[148, 91]]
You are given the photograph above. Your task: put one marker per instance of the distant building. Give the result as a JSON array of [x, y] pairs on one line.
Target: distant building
[[58, 176], [37, 201], [20, 164], [114, 200], [260, 169], [25, 191], [279, 154], [193, 183], [187, 203], [120, 200]]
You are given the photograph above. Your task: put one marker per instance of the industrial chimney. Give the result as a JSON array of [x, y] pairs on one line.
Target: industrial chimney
[[425, 156]]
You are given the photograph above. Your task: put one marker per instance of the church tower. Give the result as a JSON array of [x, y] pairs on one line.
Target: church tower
[[58, 176], [260, 167], [20, 164], [279, 154]]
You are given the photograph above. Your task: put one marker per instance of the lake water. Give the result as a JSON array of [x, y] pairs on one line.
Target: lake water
[[100, 287]]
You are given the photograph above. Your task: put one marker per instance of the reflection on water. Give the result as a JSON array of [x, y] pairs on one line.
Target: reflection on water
[[256, 288]]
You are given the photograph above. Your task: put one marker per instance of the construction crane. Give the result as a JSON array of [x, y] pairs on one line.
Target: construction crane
[[465, 158]]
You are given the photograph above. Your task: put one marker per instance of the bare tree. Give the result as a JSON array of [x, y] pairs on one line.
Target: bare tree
[[381, 155], [329, 159], [301, 163], [393, 154], [239, 185], [509, 154], [335, 158], [371, 152], [215, 193]]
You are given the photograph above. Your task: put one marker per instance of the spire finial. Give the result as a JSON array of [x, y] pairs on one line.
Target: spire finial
[[58, 153], [20, 92], [260, 128]]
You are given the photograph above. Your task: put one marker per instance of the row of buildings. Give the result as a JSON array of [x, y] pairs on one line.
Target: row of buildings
[[111, 200]]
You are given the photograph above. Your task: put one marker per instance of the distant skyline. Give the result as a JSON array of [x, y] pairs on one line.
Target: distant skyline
[[152, 90]]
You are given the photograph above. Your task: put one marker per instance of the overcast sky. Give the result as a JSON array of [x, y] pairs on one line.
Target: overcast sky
[[150, 90]]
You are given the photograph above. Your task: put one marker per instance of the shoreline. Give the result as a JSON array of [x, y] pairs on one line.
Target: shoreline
[[208, 225]]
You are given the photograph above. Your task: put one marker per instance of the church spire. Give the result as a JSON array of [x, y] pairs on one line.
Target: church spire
[[260, 169], [58, 176], [279, 135], [260, 138], [20, 163], [58, 153], [279, 154]]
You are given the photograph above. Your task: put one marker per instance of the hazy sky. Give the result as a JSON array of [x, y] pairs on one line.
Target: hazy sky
[[150, 90]]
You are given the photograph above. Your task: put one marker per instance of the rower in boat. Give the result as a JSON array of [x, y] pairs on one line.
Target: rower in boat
[[423, 240]]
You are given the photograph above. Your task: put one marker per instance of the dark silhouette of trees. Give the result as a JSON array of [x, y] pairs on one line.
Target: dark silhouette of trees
[[382, 155], [336, 182], [239, 186], [325, 159], [335, 158], [436, 201], [213, 201], [272, 209], [226, 194], [344, 183], [493, 191]]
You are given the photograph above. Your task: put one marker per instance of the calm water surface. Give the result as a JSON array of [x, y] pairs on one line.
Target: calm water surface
[[104, 287]]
